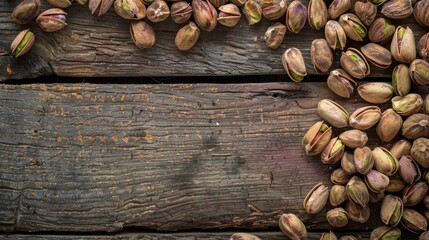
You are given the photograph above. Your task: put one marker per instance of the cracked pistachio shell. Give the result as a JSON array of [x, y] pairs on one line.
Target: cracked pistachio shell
[[426, 105], [130, 9], [22, 43], [384, 162], [60, 3], [409, 170], [158, 11], [99, 7], [26, 11], [414, 221], [424, 236], [187, 36], [338, 7], [52, 20], [205, 15], [333, 113], [375, 197], [421, 12], [218, 3], [400, 148], [229, 15], [386, 233], [363, 160], [335, 35], [376, 181], [354, 63], [317, 14], [337, 195], [339, 176], [354, 138], [321, 55], [243, 236], [377, 55], [292, 226], [381, 31], [420, 152], [419, 72], [348, 163], [396, 184], [353, 27], [316, 138], [181, 12], [366, 11], [316, 199], [142, 34], [391, 210], [415, 126], [253, 12], [423, 47], [403, 47], [407, 105], [341, 83], [296, 16], [293, 63], [337, 217], [389, 125], [273, 9], [376, 92], [274, 35], [357, 191], [365, 117], [328, 236], [401, 81], [415, 193], [357, 213], [397, 9], [333, 151]]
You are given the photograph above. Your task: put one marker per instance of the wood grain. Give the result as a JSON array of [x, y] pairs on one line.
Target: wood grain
[[102, 47]]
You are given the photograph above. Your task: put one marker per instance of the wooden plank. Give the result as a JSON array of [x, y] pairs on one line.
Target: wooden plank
[[87, 157], [102, 47]]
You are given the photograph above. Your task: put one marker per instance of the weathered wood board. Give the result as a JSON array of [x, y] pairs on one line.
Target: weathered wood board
[[102, 47], [88, 157]]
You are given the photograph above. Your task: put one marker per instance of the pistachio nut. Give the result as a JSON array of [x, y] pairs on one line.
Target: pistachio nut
[[414, 194], [426, 201], [60, 3], [205, 15], [335, 35], [316, 138], [333, 151], [328, 236], [378, 2], [338, 7], [354, 63], [292, 226], [321, 55], [409, 170], [218, 3], [348, 163], [354, 138], [423, 47], [377, 55], [414, 221], [400, 148], [52, 20], [389, 125], [403, 47], [424, 236], [229, 15], [421, 12], [401, 81], [238, 3], [381, 31], [426, 105], [348, 237], [420, 152], [340, 82], [363, 161], [386, 232], [396, 184], [187, 36], [99, 7], [357, 213], [408, 104], [340, 177], [333, 113], [391, 210], [181, 12], [273, 9], [296, 16], [22, 43], [357, 191], [415, 126], [337, 217], [82, 2], [130, 9], [252, 11], [375, 197], [337, 195], [293, 63], [317, 14], [397, 9], [366, 11], [274, 35], [376, 92], [365, 117], [142, 34], [384, 162], [26, 11], [376, 181], [316, 199], [419, 72], [243, 236], [353, 27], [158, 11]]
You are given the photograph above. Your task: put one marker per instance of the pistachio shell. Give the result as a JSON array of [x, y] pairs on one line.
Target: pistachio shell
[[22, 43], [317, 14], [321, 55], [158, 11], [421, 13], [420, 152], [348, 163], [415, 193], [293, 63], [274, 35], [252, 11], [400, 148], [328, 236], [60, 3], [357, 213], [130, 9], [341, 83], [337, 217], [296, 16], [376, 181], [363, 161], [292, 226], [423, 47], [335, 35], [409, 170], [333, 113], [415, 126], [353, 27], [99, 7], [205, 15], [316, 199], [414, 221], [142, 34], [354, 63], [389, 125], [243, 236], [26, 11], [381, 31], [384, 162], [386, 233], [376, 92], [408, 104], [391, 210], [401, 81], [316, 138], [273, 9], [377, 55], [365, 117], [52, 20], [218, 3], [366, 11], [354, 138], [403, 47], [339, 176], [181, 12], [396, 184], [338, 7], [333, 151], [187, 36], [419, 72], [337, 195], [229, 15], [397, 9], [357, 191]]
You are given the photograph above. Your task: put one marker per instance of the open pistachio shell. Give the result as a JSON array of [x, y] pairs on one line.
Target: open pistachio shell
[[348, 163], [366, 11], [421, 12], [386, 233], [409, 170], [354, 63], [316, 199], [403, 47], [52, 20], [317, 14], [335, 35], [338, 7], [419, 72], [408, 104], [316, 138], [357, 191], [333, 151], [253, 12], [22, 43], [401, 81], [292, 226], [229, 15], [384, 162], [353, 26], [205, 15], [415, 126], [376, 92], [363, 161], [381, 31], [296, 16], [293, 63], [142, 34], [415, 193], [99, 7], [365, 117], [187, 36], [341, 83], [130, 9], [376, 181], [274, 35], [377, 55], [391, 210], [181, 12], [414, 221], [357, 213], [333, 113], [273, 9]]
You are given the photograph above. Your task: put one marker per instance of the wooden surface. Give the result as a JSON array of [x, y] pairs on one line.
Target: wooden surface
[[102, 47], [88, 157]]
